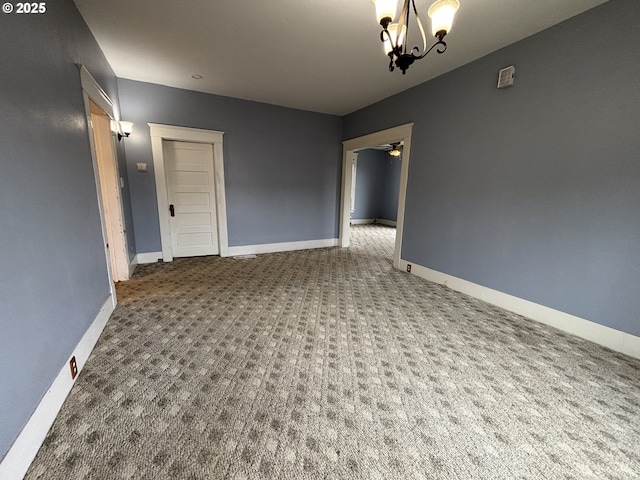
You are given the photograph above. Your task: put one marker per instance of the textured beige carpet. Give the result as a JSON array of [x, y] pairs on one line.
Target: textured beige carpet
[[329, 364]]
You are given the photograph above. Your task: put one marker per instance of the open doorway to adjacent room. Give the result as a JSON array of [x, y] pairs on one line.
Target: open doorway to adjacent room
[[109, 179], [375, 183], [100, 115], [374, 199]]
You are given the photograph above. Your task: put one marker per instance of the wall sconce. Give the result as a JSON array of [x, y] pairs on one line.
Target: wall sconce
[[126, 128], [121, 129]]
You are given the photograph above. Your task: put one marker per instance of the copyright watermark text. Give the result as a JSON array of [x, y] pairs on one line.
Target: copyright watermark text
[[28, 7]]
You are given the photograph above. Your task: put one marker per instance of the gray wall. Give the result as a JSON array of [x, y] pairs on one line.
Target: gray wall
[[533, 190], [377, 185], [53, 278], [368, 182], [390, 189], [282, 166]]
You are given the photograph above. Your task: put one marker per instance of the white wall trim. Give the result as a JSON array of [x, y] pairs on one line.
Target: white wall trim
[[362, 221], [159, 133], [148, 257], [132, 265], [282, 247], [395, 134], [594, 332], [368, 221], [388, 223], [221, 198], [95, 91], [17, 460]]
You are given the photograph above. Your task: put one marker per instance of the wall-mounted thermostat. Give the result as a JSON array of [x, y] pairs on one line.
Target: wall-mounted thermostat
[[506, 76], [142, 167]]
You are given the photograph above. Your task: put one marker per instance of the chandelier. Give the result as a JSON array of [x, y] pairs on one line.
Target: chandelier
[[395, 35]]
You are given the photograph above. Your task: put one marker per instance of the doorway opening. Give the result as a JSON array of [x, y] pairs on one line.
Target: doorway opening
[[100, 113], [374, 199], [350, 148]]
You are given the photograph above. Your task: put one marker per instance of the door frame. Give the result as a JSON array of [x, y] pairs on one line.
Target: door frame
[[93, 92], [352, 157], [160, 133], [110, 192], [391, 135]]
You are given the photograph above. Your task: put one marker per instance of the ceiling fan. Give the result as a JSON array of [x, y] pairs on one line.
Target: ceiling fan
[[396, 150]]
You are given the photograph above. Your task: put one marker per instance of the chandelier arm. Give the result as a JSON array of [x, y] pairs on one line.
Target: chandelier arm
[[382, 34], [394, 47], [402, 21], [441, 43], [424, 37]]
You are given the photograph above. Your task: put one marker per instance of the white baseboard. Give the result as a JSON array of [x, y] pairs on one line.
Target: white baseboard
[[147, 257], [282, 247], [132, 265], [600, 334], [368, 221], [362, 221], [17, 460], [389, 223]]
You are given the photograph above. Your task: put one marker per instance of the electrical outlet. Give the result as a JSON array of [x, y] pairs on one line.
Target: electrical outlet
[[74, 367], [409, 267]]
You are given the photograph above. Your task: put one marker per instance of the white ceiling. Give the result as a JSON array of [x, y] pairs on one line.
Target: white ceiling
[[318, 55]]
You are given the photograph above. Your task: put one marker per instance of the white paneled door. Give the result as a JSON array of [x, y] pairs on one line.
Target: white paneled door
[[191, 195]]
